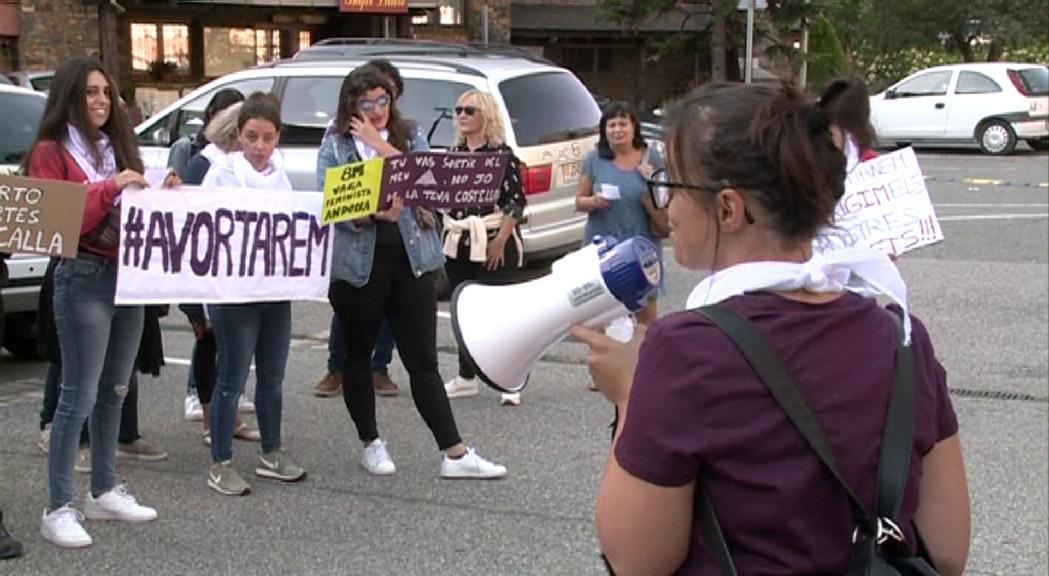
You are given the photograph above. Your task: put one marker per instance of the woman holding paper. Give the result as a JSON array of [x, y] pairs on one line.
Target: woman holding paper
[[483, 244], [85, 138], [612, 188], [753, 173], [254, 329], [382, 266]]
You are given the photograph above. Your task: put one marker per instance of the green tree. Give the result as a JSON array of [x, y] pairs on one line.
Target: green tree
[[826, 58]]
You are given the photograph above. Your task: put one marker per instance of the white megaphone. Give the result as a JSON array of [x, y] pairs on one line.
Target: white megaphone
[[503, 330]]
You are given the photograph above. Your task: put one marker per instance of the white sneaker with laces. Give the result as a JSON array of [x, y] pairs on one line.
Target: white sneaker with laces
[[471, 465], [509, 399], [376, 459], [194, 412], [62, 528], [462, 387], [245, 406], [117, 505]]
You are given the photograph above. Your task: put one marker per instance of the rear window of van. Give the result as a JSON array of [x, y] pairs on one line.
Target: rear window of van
[[549, 107]]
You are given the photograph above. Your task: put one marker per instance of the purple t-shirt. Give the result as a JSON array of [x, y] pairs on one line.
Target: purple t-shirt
[[697, 407]]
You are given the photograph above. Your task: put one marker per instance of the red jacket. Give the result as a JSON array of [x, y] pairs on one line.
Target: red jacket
[[51, 161]]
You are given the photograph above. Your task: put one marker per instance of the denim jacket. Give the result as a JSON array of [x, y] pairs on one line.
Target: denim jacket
[[354, 246]]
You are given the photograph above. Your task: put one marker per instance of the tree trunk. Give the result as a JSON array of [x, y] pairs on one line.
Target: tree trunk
[[107, 34], [717, 50], [996, 50]]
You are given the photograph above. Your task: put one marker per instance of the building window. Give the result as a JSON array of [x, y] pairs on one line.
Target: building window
[[444, 13], [153, 42], [267, 46], [231, 49], [304, 39]]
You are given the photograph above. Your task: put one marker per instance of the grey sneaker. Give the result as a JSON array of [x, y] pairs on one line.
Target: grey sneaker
[[140, 450], [44, 444], [224, 479], [279, 466]]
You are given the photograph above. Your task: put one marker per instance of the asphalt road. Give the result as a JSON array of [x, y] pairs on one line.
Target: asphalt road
[[982, 293]]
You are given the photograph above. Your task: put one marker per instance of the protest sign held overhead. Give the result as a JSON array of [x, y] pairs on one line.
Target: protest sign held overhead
[[222, 245], [428, 179], [40, 216], [886, 206]]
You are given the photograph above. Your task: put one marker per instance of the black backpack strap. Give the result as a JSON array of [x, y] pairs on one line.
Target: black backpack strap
[[712, 535], [755, 348], [898, 438]]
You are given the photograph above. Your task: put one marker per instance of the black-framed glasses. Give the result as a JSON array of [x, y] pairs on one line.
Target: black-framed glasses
[[369, 106], [661, 190], [468, 110]]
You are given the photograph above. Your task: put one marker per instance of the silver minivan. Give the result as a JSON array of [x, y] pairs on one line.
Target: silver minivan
[[550, 115]]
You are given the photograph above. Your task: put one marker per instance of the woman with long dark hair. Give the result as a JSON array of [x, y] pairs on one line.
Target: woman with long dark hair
[[85, 137], [383, 267]]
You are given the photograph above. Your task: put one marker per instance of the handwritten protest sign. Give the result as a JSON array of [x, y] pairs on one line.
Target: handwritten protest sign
[[40, 216], [352, 191], [222, 245], [445, 179], [886, 206], [428, 179]]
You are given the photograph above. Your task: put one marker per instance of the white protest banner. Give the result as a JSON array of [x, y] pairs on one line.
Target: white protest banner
[[886, 206], [222, 245]]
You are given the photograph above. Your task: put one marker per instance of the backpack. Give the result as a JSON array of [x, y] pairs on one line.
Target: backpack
[[879, 546]]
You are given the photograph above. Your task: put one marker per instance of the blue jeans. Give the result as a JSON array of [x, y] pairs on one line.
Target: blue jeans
[[99, 343], [262, 330], [381, 357]]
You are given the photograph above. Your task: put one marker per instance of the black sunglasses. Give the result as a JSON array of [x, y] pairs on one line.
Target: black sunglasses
[[468, 110], [661, 190]]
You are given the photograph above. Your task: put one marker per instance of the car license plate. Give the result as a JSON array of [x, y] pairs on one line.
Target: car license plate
[[1039, 108], [570, 172]]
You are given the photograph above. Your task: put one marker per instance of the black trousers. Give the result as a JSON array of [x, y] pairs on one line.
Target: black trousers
[[460, 269], [128, 412], [410, 303]]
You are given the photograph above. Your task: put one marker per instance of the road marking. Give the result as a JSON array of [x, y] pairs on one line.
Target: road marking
[[992, 217], [982, 181]]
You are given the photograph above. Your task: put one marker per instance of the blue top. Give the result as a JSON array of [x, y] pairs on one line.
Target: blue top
[[353, 250], [625, 217]]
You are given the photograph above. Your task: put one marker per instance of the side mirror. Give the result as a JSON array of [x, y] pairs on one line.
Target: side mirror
[[890, 94]]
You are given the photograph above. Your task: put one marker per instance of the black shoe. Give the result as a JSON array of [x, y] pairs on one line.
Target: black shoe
[[9, 547]]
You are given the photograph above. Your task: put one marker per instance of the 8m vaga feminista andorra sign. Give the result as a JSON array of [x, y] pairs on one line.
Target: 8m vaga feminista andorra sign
[[374, 6]]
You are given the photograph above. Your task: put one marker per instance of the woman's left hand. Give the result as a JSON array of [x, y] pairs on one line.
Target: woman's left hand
[[496, 253], [172, 180], [612, 363], [393, 213]]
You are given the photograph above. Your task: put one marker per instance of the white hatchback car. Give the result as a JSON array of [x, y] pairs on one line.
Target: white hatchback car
[[993, 104], [550, 117]]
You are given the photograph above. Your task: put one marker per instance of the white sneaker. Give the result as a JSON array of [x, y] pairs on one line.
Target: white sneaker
[[245, 406], [462, 387], [376, 459], [62, 528], [44, 444], [471, 465], [83, 460], [193, 410], [510, 399], [117, 505]]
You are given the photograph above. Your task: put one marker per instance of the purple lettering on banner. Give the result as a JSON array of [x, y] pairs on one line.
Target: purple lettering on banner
[[177, 245], [280, 238], [318, 237], [201, 265], [445, 179], [261, 242], [246, 219], [133, 237], [223, 215], [156, 238], [297, 242]]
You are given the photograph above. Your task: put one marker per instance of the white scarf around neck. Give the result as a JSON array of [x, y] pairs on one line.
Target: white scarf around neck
[[366, 152], [78, 147], [213, 153], [272, 178], [865, 271]]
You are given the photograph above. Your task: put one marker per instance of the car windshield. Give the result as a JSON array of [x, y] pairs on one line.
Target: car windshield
[[549, 107], [19, 120], [1035, 80]]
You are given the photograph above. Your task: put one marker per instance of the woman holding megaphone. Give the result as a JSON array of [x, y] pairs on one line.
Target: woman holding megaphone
[[753, 171]]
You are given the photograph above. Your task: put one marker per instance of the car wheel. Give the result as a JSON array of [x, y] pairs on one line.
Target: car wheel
[[1040, 144], [996, 138]]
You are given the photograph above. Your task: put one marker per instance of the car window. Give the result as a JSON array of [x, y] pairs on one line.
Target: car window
[[306, 106], [975, 83], [191, 115], [930, 84], [549, 107], [1035, 80], [18, 125], [429, 104], [41, 83]]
